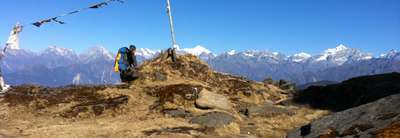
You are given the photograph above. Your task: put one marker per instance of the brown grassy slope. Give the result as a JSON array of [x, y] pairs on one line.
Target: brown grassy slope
[[142, 107]]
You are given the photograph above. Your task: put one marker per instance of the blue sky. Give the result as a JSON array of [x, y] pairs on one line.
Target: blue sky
[[287, 26]]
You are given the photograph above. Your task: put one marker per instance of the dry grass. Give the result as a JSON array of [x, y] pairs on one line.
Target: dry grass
[[392, 131], [135, 117], [278, 126]]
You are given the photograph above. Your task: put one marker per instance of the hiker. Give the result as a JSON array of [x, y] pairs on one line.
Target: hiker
[[126, 63], [132, 60]]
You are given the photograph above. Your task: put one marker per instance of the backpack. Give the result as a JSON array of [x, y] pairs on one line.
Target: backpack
[[121, 60]]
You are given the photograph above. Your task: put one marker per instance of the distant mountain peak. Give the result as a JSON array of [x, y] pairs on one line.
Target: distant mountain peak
[[231, 52], [58, 51], [300, 57], [393, 51], [145, 52], [341, 46], [302, 54], [197, 50], [97, 52], [341, 54], [338, 48], [249, 53], [392, 54], [101, 50], [98, 48]]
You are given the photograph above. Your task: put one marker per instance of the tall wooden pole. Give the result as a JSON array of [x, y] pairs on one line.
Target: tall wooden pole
[[171, 25]]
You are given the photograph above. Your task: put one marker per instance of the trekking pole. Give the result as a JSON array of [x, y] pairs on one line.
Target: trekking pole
[[171, 25]]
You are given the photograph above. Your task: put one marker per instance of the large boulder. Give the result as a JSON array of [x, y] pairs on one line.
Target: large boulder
[[212, 100], [368, 120]]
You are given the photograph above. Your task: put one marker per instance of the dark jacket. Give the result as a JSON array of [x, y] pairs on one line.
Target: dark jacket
[[132, 61], [131, 73]]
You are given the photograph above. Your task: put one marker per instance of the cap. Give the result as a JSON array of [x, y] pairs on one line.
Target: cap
[[132, 47]]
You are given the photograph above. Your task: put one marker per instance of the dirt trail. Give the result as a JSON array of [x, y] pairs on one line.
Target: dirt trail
[[184, 99]]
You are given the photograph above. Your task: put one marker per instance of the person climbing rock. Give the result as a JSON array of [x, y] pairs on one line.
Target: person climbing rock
[[126, 63]]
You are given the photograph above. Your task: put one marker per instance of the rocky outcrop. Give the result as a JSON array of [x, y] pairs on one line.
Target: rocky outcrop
[[350, 93], [364, 121], [213, 119], [210, 100]]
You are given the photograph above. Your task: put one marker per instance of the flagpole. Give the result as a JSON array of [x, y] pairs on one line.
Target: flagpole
[[171, 25]]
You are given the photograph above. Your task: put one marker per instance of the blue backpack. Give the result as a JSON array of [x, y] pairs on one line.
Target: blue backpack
[[121, 61]]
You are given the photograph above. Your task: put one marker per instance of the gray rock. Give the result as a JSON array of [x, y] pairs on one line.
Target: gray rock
[[178, 113], [213, 119], [360, 121], [160, 77], [247, 93], [212, 100]]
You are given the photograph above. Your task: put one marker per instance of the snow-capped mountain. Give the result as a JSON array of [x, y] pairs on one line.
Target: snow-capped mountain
[[197, 50], [303, 68], [231, 52], [252, 56], [18, 59], [392, 54], [340, 55], [146, 53], [96, 53], [60, 66], [300, 57], [54, 56], [58, 51]]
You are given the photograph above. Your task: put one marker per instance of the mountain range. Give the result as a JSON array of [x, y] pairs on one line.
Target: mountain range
[[57, 66]]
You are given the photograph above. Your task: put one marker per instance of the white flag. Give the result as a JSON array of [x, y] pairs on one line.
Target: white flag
[[13, 39]]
